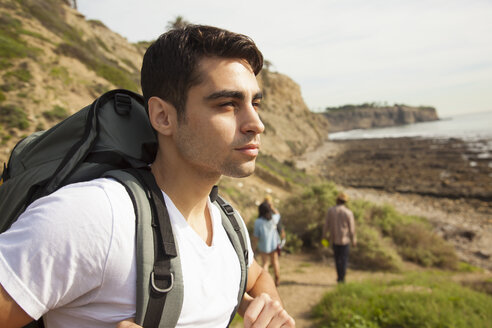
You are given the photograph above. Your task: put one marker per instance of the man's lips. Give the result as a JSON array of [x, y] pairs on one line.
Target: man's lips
[[250, 150]]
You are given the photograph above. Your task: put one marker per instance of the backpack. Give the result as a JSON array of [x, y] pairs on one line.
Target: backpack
[[113, 138]]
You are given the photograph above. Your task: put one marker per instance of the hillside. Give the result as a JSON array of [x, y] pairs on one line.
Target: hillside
[[54, 62], [352, 117]]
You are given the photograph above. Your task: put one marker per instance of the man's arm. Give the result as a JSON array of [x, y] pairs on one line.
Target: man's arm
[[11, 314], [261, 304], [353, 236]]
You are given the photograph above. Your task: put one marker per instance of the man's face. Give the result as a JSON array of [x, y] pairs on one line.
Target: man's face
[[220, 134]]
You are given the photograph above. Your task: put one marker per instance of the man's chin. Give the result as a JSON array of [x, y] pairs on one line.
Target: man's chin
[[241, 171]]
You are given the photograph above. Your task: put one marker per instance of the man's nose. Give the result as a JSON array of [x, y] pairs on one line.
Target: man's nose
[[251, 121]]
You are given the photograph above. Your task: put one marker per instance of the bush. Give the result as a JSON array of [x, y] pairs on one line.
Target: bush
[[412, 235], [423, 300], [56, 113], [304, 215], [11, 45], [21, 74], [13, 117], [2, 96], [417, 244], [373, 252]]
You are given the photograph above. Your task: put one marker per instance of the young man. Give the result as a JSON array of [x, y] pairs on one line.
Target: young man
[[203, 100]]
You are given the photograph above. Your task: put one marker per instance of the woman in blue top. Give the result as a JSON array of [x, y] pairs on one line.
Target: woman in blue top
[[266, 238]]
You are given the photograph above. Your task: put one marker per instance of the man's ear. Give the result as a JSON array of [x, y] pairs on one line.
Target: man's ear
[[162, 115]]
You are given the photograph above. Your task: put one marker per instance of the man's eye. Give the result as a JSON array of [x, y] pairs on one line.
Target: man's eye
[[227, 104], [257, 105]]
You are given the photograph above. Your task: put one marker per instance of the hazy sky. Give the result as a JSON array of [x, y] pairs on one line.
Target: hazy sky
[[417, 52]]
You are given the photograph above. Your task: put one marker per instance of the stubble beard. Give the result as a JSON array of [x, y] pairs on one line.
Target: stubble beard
[[209, 164]]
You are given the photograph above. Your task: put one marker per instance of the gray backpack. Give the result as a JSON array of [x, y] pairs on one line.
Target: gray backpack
[[113, 138]]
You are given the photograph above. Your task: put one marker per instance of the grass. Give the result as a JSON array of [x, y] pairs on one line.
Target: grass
[[21, 74], [284, 170], [61, 73], [416, 300], [13, 117], [56, 113], [11, 44], [89, 52]]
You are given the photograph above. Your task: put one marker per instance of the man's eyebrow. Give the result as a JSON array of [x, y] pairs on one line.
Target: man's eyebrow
[[232, 94], [225, 94]]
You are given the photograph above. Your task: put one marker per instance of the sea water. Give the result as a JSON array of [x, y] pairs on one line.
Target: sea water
[[466, 126], [469, 127]]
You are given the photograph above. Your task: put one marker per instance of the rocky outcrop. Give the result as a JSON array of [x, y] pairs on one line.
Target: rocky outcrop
[[290, 127], [375, 117]]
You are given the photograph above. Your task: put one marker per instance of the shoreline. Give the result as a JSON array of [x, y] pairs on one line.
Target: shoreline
[[432, 178]]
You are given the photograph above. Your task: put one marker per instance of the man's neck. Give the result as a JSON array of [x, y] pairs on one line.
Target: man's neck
[[188, 189]]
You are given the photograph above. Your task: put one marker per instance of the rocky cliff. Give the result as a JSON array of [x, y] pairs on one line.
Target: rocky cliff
[[344, 119], [54, 62]]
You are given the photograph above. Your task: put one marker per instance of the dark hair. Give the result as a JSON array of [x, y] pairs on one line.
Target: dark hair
[[169, 67], [265, 211]]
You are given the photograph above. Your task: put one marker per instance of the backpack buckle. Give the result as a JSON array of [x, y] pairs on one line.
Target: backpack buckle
[[122, 104], [161, 290], [228, 209]]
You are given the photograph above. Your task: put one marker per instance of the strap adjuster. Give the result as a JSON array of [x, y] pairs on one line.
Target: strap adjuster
[[122, 104], [161, 290], [228, 209]]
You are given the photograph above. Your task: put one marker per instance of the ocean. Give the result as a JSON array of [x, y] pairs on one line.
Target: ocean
[[469, 127]]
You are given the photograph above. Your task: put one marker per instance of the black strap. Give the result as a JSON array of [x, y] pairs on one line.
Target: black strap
[[229, 212], [162, 279]]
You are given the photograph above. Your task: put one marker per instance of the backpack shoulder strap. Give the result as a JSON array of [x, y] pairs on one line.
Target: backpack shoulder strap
[[159, 275], [237, 235]]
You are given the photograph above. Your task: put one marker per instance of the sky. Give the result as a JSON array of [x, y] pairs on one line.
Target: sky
[[417, 52]]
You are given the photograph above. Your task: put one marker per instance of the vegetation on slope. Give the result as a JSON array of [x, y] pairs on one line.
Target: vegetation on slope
[[369, 105], [385, 236]]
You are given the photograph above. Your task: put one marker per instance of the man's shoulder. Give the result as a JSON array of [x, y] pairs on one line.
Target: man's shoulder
[[86, 195]]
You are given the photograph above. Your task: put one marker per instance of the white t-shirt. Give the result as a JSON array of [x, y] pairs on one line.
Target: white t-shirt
[[70, 257]]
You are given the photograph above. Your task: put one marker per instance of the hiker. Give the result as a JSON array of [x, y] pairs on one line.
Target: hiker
[[266, 238], [71, 256], [340, 226], [280, 227]]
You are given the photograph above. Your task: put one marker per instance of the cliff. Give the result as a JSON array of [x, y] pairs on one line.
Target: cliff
[[343, 119], [54, 62]]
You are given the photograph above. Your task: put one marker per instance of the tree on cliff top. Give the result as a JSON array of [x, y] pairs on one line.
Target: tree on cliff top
[[179, 22]]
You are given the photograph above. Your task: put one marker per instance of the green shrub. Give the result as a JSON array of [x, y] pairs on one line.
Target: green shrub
[[21, 74], [2, 96], [56, 113], [304, 215], [284, 170], [418, 244], [373, 252], [13, 117], [423, 300], [118, 76], [95, 61], [412, 235], [293, 244], [11, 45], [61, 73]]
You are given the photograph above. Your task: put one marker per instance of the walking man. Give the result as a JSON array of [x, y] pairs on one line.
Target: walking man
[[340, 227], [71, 256]]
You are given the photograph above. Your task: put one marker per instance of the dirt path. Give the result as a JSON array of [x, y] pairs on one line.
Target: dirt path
[[304, 281]]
